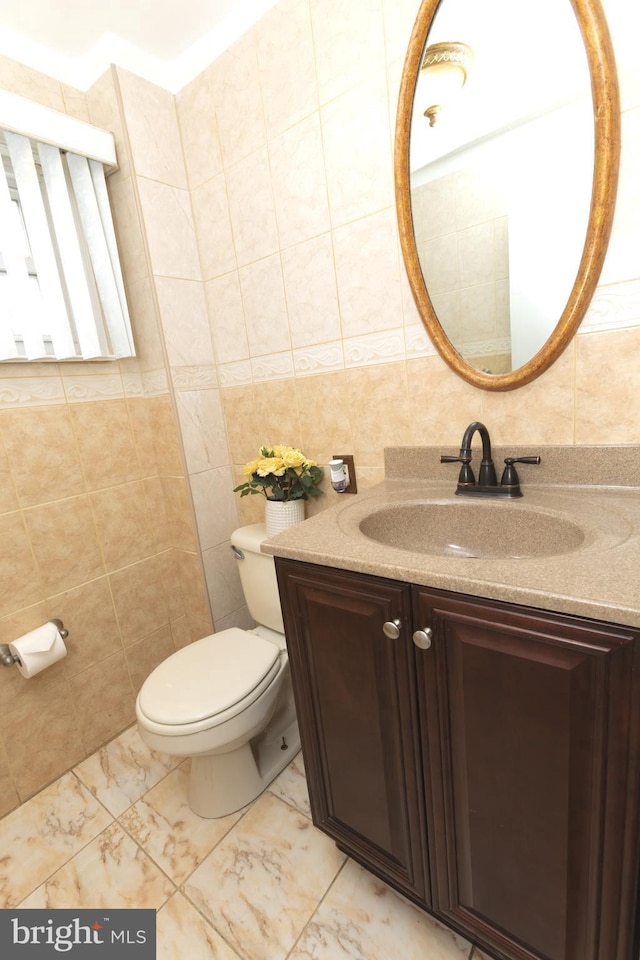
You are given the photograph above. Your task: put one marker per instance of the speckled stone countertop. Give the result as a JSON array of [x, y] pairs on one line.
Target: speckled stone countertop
[[595, 489]]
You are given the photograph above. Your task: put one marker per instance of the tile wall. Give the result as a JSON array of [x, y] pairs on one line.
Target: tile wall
[[96, 524], [255, 215], [288, 144]]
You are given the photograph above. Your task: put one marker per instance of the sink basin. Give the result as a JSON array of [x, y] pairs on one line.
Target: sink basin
[[472, 529]]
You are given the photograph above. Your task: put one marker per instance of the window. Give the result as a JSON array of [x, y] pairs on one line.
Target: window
[[61, 289]]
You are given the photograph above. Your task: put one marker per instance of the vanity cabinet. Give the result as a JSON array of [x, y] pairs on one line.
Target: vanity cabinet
[[491, 777]]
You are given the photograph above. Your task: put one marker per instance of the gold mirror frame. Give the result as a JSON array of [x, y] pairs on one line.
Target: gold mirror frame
[[606, 111]]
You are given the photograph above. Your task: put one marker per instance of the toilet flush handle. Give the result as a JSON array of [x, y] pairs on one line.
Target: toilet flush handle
[[238, 554]]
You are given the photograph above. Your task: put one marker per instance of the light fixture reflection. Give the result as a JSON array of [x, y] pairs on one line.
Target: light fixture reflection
[[444, 71]]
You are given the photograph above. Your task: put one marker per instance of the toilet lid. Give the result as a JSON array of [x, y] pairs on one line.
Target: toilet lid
[[207, 677]]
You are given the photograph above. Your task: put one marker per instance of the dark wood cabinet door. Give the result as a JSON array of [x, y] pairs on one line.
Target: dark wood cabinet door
[[530, 726], [355, 696]]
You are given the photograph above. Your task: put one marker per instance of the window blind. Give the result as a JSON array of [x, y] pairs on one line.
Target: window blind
[[61, 289]]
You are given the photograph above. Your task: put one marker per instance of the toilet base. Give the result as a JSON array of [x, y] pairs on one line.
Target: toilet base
[[223, 783]]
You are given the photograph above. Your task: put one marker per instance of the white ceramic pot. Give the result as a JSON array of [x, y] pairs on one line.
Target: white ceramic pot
[[281, 514]]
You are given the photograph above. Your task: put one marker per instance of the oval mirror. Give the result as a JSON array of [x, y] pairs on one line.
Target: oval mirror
[[506, 168]]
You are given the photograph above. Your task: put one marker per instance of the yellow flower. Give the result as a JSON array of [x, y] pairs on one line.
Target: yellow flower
[[293, 458], [250, 468], [270, 465], [281, 473]]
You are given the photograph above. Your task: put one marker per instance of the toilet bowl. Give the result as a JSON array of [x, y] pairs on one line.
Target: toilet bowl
[[226, 700]]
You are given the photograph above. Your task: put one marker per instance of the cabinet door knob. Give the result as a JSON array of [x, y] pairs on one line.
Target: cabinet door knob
[[422, 638], [391, 629]]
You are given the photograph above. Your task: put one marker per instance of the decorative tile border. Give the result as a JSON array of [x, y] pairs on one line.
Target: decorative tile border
[[275, 366], [417, 341], [615, 306], [383, 347], [155, 383], [194, 378], [31, 391], [324, 358], [101, 386], [236, 374]]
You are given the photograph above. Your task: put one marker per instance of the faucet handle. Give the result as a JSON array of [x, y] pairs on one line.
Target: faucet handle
[[510, 476], [466, 477]]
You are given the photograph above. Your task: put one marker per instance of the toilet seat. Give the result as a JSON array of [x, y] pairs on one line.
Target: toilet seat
[[206, 682]]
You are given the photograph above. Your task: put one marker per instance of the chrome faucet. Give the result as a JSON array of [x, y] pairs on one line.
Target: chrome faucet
[[487, 485]]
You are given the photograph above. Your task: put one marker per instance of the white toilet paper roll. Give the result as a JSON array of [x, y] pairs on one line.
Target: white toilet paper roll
[[38, 649]]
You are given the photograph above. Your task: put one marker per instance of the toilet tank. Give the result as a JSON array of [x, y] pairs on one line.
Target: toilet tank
[[258, 576]]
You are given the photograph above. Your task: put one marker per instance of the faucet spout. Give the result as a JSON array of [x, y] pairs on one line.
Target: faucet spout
[[487, 476], [487, 485]]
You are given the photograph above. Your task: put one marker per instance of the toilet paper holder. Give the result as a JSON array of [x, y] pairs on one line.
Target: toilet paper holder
[[7, 659]]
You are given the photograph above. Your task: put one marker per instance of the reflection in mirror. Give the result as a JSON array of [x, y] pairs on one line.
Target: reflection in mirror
[[500, 168]]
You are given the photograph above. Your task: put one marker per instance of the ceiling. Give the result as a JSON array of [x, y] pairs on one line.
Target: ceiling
[[166, 41]]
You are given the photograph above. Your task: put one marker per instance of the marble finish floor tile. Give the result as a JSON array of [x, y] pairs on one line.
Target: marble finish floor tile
[[182, 933], [112, 871], [264, 880], [363, 919], [45, 832], [169, 831], [291, 785], [120, 773]]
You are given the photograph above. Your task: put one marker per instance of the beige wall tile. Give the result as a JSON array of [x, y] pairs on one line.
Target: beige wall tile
[[105, 439], [236, 92], [168, 223], [19, 575], [215, 505], [65, 544], [212, 220], [311, 292], [368, 274], [133, 253], [284, 46], [89, 615], [123, 525], [152, 125], [252, 208], [30, 83], [104, 701], [195, 599], [436, 405], [357, 149], [348, 42], [43, 453], [383, 423], [265, 306], [183, 315], [42, 740], [158, 513], [203, 429], [138, 596], [226, 318], [165, 431], [145, 323], [325, 417], [223, 580], [200, 140], [140, 410], [170, 573], [179, 518], [299, 182], [8, 496], [9, 798], [607, 387], [142, 657]]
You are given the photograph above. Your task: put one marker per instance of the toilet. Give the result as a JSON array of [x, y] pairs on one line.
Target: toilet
[[226, 700]]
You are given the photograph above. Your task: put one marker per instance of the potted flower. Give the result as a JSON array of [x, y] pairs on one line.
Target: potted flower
[[286, 478]]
